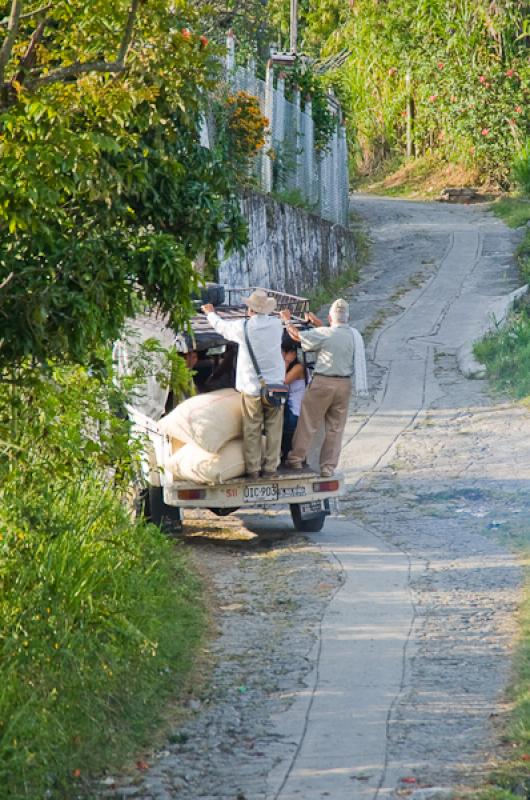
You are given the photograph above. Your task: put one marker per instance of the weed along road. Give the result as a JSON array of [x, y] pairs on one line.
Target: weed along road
[[371, 660]]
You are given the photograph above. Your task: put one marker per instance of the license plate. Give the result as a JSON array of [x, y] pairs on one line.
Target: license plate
[[260, 492], [307, 509]]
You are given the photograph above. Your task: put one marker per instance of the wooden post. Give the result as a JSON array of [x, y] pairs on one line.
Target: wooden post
[[294, 26], [410, 116]]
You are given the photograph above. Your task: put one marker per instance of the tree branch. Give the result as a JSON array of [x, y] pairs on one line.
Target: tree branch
[[128, 32], [74, 70], [28, 60], [7, 280], [9, 41], [28, 14]]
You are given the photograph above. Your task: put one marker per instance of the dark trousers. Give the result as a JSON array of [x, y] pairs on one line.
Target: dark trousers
[[290, 421]]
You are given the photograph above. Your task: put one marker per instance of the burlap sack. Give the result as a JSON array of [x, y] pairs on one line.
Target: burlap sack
[[192, 463], [207, 420]]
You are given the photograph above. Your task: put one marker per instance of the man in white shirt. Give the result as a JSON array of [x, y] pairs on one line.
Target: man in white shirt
[[265, 335], [326, 401]]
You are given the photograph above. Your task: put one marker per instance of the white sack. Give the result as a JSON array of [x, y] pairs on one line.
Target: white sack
[[207, 420], [192, 463]]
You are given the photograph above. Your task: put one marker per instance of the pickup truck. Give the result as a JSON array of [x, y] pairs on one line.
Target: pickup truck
[[305, 492]]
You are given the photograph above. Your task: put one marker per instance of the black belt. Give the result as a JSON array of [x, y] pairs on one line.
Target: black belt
[[321, 374]]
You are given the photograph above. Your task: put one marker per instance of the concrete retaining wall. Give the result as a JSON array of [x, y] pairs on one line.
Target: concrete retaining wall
[[289, 249]]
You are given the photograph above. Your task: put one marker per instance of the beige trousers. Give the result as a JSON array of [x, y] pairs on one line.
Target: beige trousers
[[256, 418], [325, 401]]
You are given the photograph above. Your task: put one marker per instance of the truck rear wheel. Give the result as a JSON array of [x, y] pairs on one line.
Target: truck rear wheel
[[312, 524], [223, 512], [165, 517]]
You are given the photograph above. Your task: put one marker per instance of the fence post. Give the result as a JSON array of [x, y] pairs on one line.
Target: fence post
[[278, 129], [299, 164], [309, 152], [410, 116], [344, 182], [266, 165], [230, 56]]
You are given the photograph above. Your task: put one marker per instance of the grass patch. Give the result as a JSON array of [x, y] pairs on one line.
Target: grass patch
[[100, 620], [506, 351], [327, 291], [513, 210], [380, 318], [506, 354], [295, 198], [420, 178]]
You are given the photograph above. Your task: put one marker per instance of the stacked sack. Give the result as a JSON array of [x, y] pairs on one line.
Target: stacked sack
[[206, 438]]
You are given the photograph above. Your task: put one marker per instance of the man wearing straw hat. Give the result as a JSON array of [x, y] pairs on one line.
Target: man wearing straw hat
[[340, 356], [265, 335]]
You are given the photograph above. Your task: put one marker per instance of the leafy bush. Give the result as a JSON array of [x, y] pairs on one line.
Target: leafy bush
[[106, 194], [241, 130], [99, 614]]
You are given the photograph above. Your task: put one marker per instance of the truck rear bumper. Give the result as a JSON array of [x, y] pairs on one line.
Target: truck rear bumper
[[303, 487]]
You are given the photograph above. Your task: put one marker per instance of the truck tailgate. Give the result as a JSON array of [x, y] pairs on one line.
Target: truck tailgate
[[290, 487]]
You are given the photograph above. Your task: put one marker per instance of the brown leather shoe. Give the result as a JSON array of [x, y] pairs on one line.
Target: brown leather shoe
[[269, 475], [295, 466], [252, 476]]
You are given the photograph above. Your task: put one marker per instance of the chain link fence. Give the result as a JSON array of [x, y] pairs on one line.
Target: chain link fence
[[289, 164]]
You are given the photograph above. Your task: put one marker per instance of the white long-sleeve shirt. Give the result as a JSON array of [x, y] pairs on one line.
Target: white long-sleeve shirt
[[265, 334]]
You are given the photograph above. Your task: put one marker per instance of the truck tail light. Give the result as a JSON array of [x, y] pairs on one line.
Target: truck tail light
[[326, 486], [191, 494]]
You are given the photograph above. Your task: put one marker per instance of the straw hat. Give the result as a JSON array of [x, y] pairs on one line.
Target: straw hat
[[260, 302]]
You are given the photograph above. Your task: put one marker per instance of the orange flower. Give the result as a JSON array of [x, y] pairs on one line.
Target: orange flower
[[203, 40], [485, 131], [186, 33], [76, 773]]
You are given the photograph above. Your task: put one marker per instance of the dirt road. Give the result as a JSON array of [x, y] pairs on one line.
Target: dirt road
[[371, 659]]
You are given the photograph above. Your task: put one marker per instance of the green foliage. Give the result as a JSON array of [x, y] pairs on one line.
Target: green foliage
[[515, 211], [506, 354], [317, 23], [240, 131], [99, 613], [106, 194], [469, 79], [506, 351], [312, 87], [521, 169], [293, 197]]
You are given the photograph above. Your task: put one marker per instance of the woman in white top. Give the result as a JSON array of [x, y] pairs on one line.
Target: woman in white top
[[296, 379]]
